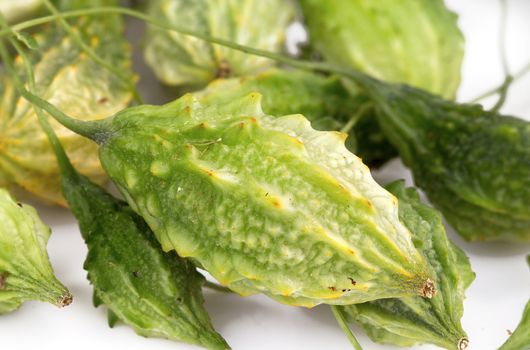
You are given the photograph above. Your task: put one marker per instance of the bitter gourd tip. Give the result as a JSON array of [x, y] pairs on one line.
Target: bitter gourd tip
[[65, 300], [463, 343], [429, 289]]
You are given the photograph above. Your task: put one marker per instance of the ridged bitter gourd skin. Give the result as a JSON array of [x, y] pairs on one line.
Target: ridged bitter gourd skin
[[66, 76], [324, 101], [411, 320], [158, 294], [264, 204], [183, 60], [25, 269], [474, 165]]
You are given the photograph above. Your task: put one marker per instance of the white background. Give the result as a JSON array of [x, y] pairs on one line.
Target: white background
[[494, 301]]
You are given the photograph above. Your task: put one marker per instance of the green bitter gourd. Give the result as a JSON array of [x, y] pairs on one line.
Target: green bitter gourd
[[25, 269], [411, 320]]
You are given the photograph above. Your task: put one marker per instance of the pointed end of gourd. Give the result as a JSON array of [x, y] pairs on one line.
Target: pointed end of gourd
[[65, 300], [428, 290], [463, 343]]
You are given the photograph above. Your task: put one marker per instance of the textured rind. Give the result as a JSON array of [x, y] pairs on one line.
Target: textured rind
[[264, 204], [156, 293], [182, 60], [412, 320], [324, 101], [73, 82], [25, 270], [474, 165], [408, 41], [520, 338]]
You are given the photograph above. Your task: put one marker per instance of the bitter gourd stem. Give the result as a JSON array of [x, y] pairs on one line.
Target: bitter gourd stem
[[339, 316], [509, 79], [503, 91], [356, 117]]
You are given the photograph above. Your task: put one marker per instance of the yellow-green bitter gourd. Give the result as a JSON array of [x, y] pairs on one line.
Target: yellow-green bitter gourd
[[183, 60], [416, 42], [264, 204], [66, 75], [25, 269]]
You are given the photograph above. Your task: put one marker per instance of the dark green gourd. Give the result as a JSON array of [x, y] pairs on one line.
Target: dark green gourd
[[264, 204], [412, 320], [156, 293], [474, 165]]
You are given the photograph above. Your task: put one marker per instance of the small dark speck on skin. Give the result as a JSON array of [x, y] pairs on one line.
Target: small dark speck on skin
[[2, 281], [19, 204], [509, 332], [179, 300], [223, 70], [333, 289], [266, 194], [353, 282], [103, 100], [136, 274]]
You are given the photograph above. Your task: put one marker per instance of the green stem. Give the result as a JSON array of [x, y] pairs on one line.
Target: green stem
[[521, 73], [503, 93], [509, 79], [92, 54], [356, 117], [339, 316], [217, 287]]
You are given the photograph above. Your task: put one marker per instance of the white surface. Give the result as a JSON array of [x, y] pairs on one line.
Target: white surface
[[494, 301]]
